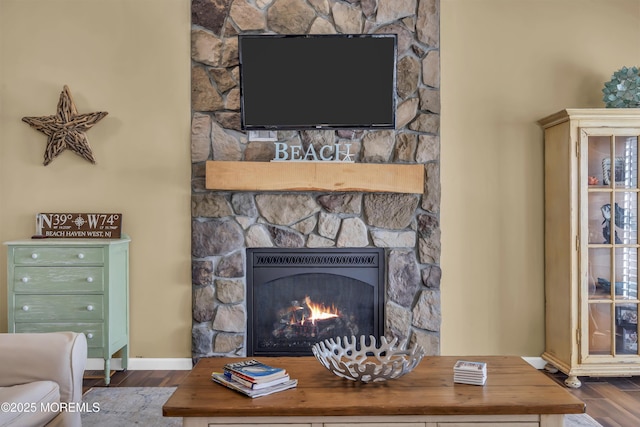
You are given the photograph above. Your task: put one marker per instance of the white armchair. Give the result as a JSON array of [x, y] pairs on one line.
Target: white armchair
[[41, 370]]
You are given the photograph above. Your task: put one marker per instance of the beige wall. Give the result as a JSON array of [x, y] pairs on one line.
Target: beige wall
[[505, 64], [131, 59]]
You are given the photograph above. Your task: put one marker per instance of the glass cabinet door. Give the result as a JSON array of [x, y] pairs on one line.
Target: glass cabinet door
[[610, 206]]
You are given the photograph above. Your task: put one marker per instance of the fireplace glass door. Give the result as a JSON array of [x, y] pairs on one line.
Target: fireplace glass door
[[297, 297]]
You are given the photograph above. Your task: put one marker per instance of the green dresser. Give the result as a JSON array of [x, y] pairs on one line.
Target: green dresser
[[79, 285]]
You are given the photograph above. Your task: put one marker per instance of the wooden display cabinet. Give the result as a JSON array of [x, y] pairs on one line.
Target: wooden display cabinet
[[591, 242]]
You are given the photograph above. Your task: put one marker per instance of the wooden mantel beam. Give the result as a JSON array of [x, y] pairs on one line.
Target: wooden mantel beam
[[315, 176]]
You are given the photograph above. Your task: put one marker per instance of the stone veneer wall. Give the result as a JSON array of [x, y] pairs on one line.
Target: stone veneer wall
[[224, 224]]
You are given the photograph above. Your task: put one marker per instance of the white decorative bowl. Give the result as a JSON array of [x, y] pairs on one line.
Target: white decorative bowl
[[370, 363]]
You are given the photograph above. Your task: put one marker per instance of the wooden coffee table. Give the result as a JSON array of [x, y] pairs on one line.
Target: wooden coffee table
[[515, 393]]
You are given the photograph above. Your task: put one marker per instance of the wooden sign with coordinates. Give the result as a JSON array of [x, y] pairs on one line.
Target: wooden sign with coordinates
[[79, 225]]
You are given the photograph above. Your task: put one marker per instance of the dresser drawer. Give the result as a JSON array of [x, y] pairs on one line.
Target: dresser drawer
[[56, 308], [57, 280], [38, 255], [93, 331]]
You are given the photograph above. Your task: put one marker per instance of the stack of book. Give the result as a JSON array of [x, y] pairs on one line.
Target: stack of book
[[465, 372], [254, 378]]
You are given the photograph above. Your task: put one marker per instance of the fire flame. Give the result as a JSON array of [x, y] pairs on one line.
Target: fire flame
[[318, 312]]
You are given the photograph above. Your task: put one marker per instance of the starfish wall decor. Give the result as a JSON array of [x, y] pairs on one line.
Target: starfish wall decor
[[66, 129]]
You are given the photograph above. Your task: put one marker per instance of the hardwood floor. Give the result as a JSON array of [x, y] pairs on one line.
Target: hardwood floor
[[613, 402], [134, 379]]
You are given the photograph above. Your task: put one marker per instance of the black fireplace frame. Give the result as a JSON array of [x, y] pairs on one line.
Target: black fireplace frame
[[314, 260]]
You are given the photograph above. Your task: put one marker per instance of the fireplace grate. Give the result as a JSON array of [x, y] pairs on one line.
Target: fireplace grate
[[316, 260]]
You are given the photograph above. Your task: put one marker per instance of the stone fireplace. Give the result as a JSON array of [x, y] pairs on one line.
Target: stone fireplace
[[226, 223]]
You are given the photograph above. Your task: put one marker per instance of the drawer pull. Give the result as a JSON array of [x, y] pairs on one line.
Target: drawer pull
[[90, 279], [89, 335], [89, 308], [34, 256], [80, 255], [24, 279], [25, 308]]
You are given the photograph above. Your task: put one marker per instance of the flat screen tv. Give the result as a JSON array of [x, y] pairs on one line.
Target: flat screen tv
[[317, 81]]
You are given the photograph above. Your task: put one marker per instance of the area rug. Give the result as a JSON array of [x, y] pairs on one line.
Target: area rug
[[580, 420], [128, 406], [142, 406]]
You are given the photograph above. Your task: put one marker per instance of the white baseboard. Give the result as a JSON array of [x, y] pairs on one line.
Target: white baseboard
[[537, 362], [143, 364]]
